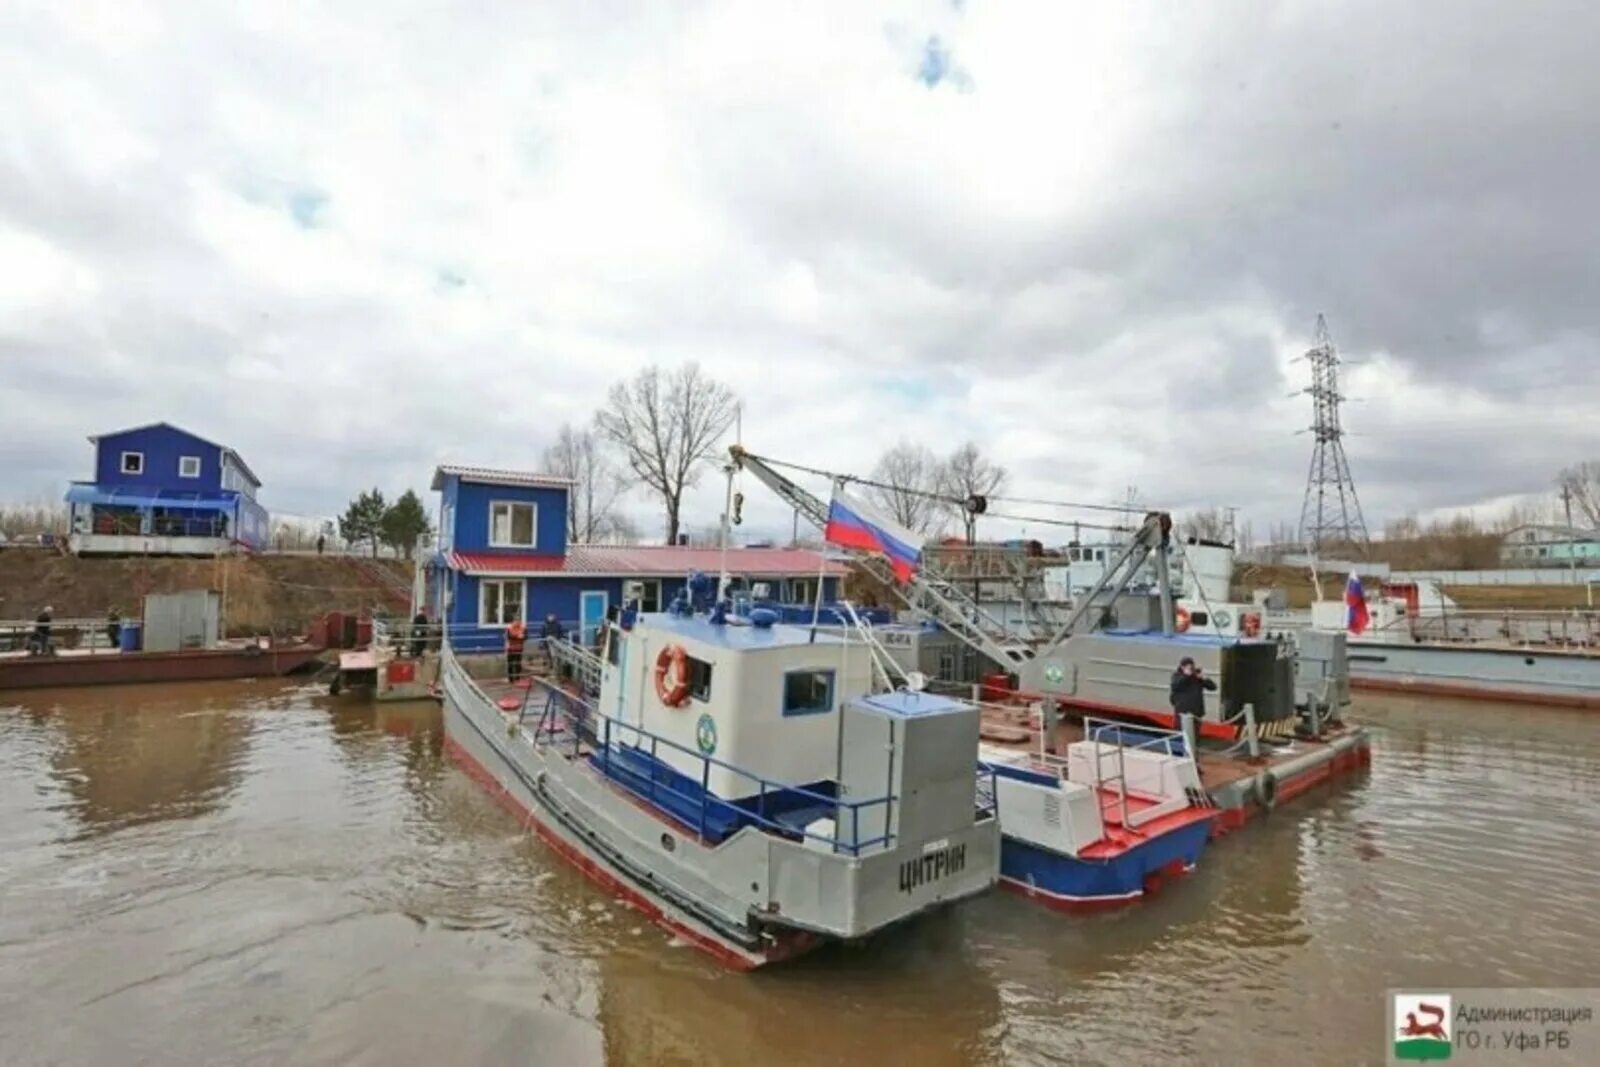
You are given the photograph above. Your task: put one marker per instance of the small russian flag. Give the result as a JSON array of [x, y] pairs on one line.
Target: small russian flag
[[853, 523], [1355, 605]]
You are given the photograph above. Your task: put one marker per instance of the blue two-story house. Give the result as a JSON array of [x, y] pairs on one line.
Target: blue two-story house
[[159, 489], [504, 555]]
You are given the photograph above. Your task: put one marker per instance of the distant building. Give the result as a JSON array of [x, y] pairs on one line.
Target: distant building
[[1550, 546], [503, 555], [162, 490]]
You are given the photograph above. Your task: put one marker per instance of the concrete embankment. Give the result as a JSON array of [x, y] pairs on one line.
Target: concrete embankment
[[262, 594]]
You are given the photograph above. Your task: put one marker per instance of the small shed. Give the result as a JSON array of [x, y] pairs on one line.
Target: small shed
[[175, 622]]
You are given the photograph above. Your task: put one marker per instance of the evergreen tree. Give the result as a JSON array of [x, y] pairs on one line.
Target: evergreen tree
[[362, 521], [404, 523]]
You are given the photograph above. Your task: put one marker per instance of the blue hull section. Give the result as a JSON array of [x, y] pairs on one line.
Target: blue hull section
[[1068, 880]]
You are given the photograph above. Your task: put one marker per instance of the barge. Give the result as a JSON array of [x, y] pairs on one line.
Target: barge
[[263, 659]]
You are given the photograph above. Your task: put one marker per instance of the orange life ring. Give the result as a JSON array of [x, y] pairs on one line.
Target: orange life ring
[[1250, 624], [672, 676], [1181, 620]]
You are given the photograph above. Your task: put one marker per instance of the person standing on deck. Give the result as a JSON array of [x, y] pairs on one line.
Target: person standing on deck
[[552, 629], [516, 637], [39, 645], [419, 634], [114, 630], [1188, 696]]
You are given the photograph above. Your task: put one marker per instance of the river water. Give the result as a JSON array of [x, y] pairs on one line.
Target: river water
[[254, 872]]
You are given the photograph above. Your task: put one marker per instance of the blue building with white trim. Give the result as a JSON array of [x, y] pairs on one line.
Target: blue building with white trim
[[504, 555], [162, 490]]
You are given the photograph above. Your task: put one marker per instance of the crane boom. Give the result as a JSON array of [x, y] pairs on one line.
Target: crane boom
[[932, 596]]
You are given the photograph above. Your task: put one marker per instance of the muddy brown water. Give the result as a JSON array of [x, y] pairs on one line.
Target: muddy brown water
[[253, 872]]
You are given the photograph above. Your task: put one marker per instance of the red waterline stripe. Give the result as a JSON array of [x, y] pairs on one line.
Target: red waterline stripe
[[724, 954]]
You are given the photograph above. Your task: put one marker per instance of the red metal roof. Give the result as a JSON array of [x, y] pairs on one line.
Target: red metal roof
[[498, 477], [649, 560]]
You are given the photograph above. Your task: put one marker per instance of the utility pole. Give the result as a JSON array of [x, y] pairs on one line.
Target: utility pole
[[1572, 543], [1330, 515]]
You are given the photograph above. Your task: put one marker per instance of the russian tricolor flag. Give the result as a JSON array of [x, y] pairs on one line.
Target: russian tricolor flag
[[1355, 605], [854, 523]]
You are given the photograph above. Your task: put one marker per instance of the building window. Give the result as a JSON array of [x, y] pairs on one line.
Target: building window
[[511, 524], [188, 466], [699, 678], [802, 591], [499, 601], [133, 463], [807, 692], [650, 594]]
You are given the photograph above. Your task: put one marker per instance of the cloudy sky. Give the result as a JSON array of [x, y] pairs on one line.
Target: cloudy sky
[[1093, 238]]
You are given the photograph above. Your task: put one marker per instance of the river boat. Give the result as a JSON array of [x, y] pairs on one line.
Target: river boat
[[736, 781]]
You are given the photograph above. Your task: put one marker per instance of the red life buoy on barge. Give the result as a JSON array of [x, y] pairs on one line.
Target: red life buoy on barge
[[672, 676], [1181, 620]]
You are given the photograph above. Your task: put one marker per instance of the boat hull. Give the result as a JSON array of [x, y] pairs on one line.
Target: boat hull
[[1507, 675], [129, 668], [514, 781], [1071, 883]]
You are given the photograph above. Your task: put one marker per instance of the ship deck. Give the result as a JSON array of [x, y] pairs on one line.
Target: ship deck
[[1241, 787]]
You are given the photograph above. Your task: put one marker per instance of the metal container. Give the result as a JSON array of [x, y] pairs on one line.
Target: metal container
[[177, 621]]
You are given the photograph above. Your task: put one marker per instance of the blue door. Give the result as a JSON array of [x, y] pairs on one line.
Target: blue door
[[592, 606]]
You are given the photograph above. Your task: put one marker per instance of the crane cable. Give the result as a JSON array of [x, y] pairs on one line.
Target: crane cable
[[959, 502]]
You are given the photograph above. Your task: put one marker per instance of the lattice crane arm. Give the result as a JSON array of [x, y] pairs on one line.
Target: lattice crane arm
[[937, 599]]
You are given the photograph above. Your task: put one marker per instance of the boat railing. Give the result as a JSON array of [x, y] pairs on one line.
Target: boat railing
[[1571, 628], [608, 737]]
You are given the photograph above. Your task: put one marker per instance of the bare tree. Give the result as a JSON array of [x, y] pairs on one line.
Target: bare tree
[[1580, 486], [666, 425], [909, 473], [967, 475], [597, 485], [1210, 524]]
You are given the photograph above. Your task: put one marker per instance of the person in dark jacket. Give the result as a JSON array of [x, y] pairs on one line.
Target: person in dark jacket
[[553, 628], [419, 634], [39, 644], [114, 630], [1188, 695]]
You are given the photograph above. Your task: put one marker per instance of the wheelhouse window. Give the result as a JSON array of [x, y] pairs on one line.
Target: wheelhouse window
[[699, 678], [511, 524], [807, 692], [133, 463], [499, 601], [188, 466]]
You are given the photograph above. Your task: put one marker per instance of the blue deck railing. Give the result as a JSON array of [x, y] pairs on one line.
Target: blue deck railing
[[564, 720]]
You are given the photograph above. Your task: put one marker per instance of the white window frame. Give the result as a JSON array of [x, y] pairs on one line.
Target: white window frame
[[483, 601], [184, 461], [533, 527], [123, 465], [646, 584]]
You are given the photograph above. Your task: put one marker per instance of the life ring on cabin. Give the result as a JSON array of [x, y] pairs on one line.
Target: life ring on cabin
[[1250, 624], [1180, 620], [672, 676]]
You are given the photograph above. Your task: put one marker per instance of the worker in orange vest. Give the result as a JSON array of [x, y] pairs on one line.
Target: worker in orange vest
[[516, 637]]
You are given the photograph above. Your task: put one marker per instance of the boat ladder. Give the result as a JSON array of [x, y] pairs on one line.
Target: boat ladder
[[570, 660]]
